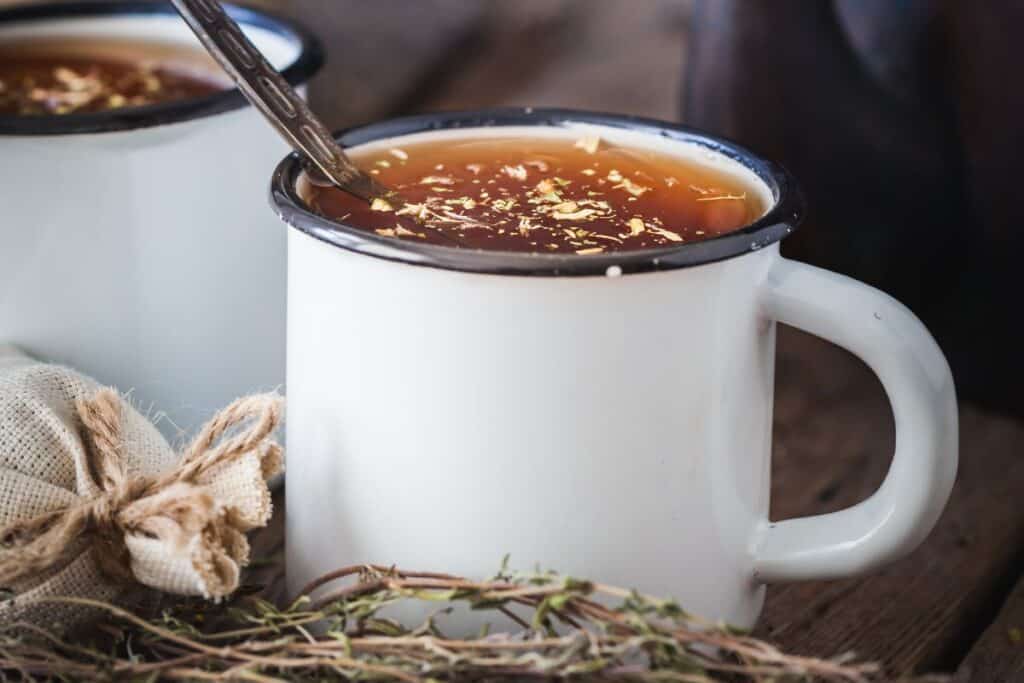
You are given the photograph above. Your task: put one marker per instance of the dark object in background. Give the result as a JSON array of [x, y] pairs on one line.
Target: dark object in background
[[905, 123]]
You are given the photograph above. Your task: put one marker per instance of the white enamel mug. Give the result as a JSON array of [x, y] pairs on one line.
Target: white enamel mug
[[134, 244], [607, 416]]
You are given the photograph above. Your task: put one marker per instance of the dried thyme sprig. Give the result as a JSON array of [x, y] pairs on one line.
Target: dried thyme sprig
[[564, 628]]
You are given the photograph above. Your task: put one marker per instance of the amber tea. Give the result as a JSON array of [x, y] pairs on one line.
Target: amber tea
[[40, 76], [582, 195]]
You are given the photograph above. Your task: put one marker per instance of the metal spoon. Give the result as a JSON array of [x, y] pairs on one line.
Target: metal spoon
[[274, 97]]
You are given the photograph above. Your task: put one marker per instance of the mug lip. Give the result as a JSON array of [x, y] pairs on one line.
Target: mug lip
[[780, 220], [308, 63]]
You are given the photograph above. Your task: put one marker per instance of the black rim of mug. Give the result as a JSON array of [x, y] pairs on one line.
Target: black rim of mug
[[782, 219], [308, 62]]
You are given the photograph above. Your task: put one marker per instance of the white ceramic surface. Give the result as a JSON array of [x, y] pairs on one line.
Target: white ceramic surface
[[147, 257], [612, 427]]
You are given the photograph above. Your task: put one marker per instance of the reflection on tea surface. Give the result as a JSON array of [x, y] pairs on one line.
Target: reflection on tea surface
[[580, 195], [76, 75]]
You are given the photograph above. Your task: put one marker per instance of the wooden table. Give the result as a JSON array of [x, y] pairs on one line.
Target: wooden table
[[955, 605]]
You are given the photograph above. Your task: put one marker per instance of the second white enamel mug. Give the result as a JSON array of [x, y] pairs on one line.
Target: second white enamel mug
[[135, 245]]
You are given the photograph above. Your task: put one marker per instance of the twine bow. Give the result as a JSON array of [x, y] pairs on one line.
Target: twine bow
[[188, 522]]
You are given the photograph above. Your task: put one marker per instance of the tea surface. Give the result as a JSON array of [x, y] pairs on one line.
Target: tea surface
[[543, 195], [65, 76]]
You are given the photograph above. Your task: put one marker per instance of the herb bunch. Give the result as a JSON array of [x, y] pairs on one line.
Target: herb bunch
[[560, 628]]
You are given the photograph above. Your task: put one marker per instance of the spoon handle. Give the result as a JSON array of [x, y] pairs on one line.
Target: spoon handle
[[273, 96]]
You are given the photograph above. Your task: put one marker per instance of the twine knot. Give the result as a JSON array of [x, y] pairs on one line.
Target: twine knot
[[182, 531]]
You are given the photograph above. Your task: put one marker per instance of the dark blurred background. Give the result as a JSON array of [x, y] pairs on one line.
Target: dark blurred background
[[904, 121], [390, 56]]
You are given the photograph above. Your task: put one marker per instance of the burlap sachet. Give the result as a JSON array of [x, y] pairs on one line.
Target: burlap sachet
[[93, 500]]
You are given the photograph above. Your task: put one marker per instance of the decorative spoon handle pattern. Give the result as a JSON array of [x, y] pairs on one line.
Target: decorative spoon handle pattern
[[273, 96]]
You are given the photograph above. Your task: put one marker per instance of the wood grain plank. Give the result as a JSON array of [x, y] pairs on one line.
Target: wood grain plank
[[834, 443], [999, 654], [380, 53], [604, 55]]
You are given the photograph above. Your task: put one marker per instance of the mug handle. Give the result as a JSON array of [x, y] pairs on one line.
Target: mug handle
[[916, 377]]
